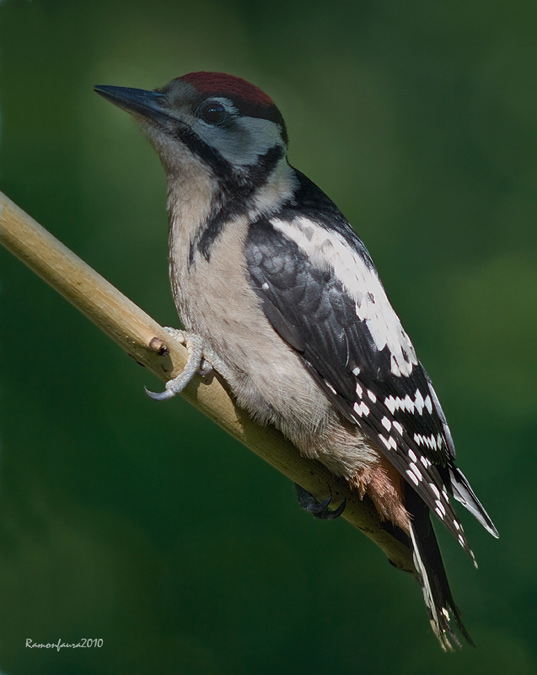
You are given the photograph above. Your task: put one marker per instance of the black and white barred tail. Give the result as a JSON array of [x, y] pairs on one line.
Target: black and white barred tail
[[432, 576]]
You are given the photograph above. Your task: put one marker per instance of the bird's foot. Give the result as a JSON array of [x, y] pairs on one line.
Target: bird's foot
[[194, 347], [318, 509], [201, 360]]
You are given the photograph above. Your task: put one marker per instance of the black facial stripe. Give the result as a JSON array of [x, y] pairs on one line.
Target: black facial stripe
[[238, 192], [209, 155]]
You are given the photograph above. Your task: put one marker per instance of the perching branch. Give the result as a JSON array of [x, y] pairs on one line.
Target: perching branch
[[149, 344]]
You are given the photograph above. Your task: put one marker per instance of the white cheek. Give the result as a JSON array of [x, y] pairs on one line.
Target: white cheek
[[251, 138]]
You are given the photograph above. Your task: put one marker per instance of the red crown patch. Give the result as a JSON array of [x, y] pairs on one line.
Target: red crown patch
[[228, 85]]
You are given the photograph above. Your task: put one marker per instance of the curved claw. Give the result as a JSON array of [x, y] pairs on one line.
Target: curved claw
[[318, 509], [159, 395], [331, 515]]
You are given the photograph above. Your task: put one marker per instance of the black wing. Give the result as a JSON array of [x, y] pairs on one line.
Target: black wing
[[308, 305]]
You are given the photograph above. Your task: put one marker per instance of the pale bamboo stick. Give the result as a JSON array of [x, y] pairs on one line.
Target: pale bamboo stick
[[149, 344]]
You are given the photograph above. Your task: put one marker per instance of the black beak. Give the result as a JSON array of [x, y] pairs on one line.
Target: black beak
[[136, 101]]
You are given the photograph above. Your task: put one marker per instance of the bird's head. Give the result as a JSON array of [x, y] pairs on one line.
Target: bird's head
[[221, 121]]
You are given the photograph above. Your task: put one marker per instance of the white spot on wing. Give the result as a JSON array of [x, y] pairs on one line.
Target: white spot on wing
[[398, 427], [414, 406], [412, 477], [328, 248], [416, 471], [419, 402], [433, 442], [386, 423], [361, 409], [390, 442], [391, 403], [435, 490], [439, 513]]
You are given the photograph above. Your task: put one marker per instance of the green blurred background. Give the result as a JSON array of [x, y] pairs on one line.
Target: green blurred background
[[141, 523]]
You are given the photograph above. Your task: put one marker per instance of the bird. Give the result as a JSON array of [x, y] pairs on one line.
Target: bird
[[279, 295]]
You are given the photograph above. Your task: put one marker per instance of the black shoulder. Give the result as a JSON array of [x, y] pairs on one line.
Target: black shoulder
[[312, 203], [309, 308]]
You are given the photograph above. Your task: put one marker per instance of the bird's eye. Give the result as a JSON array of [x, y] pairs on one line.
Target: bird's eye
[[212, 112]]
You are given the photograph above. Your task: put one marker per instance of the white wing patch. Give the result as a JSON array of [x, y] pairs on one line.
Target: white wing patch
[[433, 442], [407, 404], [329, 250]]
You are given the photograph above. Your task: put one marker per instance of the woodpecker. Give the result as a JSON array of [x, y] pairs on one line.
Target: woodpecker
[[279, 295]]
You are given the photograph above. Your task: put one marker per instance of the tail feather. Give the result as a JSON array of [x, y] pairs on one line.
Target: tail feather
[[464, 494], [432, 576]]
